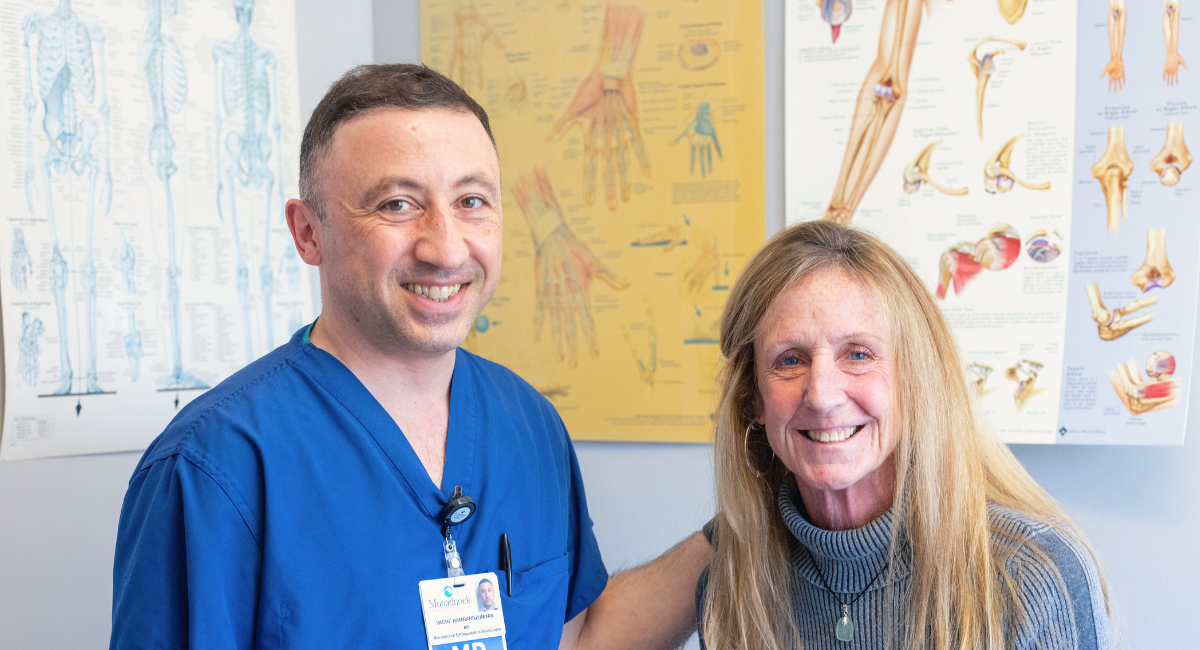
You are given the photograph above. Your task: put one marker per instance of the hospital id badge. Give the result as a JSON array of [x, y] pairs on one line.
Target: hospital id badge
[[463, 613]]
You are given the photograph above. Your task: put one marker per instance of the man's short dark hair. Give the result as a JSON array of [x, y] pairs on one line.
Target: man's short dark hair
[[367, 87]]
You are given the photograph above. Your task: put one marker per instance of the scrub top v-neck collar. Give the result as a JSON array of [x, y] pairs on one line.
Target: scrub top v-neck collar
[[461, 439]]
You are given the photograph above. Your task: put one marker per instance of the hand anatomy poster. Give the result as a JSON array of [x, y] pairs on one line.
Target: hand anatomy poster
[[1029, 159], [631, 142], [148, 146]]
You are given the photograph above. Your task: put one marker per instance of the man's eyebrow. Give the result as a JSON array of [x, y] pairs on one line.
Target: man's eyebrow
[[476, 179], [391, 183]]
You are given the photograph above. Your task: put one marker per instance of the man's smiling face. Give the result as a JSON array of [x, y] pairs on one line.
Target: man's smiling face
[[411, 241]]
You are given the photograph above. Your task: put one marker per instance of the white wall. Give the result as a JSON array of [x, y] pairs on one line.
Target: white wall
[[58, 517]]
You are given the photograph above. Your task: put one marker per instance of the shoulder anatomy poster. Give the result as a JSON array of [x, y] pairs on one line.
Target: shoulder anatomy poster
[[1029, 159], [148, 146], [631, 142]]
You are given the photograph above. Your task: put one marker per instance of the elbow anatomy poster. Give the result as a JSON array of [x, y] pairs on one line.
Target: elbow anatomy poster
[[631, 142], [1029, 158], [148, 146]]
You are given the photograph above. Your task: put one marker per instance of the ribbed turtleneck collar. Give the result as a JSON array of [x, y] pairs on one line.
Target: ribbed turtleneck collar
[[847, 558]]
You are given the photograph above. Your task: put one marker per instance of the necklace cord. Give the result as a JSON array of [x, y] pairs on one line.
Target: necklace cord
[[825, 583]]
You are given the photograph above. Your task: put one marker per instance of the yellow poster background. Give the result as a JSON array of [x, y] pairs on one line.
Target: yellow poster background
[[631, 144]]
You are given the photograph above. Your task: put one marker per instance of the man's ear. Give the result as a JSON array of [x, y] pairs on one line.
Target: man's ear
[[306, 230]]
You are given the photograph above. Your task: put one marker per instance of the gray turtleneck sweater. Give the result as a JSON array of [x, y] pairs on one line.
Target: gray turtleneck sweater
[[1055, 618]]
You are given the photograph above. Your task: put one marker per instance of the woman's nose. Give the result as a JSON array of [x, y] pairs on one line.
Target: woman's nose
[[826, 384]]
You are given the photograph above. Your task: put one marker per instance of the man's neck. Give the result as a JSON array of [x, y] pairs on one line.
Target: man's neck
[[413, 388]]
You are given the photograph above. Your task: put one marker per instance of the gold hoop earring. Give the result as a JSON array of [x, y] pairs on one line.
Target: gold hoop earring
[[746, 449]]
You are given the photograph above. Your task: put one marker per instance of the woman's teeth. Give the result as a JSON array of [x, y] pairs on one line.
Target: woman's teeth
[[434, 293], [831, 435]]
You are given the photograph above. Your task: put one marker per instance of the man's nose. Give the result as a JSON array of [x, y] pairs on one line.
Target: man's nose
[[826, 384], [441, 242]]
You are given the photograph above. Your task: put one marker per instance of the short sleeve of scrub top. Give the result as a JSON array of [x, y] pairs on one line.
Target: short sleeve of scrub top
[[285, 509]]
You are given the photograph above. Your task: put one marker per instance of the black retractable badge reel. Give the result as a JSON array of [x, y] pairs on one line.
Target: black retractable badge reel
[[458, 509]]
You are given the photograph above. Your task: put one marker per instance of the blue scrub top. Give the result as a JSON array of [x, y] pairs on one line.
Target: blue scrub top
[[285, 509]]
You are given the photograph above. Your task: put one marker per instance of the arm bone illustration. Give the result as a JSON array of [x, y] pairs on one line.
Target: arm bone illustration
[[1140, 396], [984, 68], [1025, 373], [1171, 36], [1174, 158], [880, 102], [917, 172], [1012, 10], [998, 176], [1113, 170], [1115, 69], [1112, 324], [1156, 271]]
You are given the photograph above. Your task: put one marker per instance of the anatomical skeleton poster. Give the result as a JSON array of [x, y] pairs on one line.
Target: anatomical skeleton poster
[[631, 148], [1029, 159], [147, 149]]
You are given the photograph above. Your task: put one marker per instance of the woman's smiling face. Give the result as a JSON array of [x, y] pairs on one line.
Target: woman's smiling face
[[823, 357]]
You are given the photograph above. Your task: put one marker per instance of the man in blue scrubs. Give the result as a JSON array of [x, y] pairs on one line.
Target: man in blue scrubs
[[296, 504]]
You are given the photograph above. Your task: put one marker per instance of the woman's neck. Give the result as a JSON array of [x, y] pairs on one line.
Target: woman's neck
[[854, 506]]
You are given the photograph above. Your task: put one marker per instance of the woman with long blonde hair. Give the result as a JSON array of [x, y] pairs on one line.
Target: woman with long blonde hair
[[862, 499]]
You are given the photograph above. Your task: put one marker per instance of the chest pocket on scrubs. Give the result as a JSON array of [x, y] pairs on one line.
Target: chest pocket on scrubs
[[535, 611]]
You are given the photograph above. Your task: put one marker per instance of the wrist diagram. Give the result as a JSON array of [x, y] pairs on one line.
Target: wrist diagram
[[998, 176], [1174, 159], [605, 107], [564, 268], [917, 172], [1156, 271], [984, 66], [1113, 170], [1112, 324]]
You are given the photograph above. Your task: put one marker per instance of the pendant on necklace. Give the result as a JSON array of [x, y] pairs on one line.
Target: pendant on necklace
[[845, 627]]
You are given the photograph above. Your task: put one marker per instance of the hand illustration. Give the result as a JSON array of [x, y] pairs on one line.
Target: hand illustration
[[703, 138], [707, 269], [605, 107], [1171, 68], [564, 268], [1115, 69], [471, 33], [22, 264]]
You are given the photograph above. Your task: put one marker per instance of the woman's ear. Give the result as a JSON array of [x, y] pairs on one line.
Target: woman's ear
[[758, 405]]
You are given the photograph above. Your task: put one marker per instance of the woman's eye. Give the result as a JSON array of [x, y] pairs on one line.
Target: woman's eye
[[472, 202], [790, 360], [859, 355], [397, 205]]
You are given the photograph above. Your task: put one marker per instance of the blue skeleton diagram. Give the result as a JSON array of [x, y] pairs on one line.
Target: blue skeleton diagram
[[248, 150], [30, 348], [166, 82], [68, 63], [22, 264]]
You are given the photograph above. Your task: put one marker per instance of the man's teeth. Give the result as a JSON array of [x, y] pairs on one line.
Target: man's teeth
[[830, 435], [434, 293]]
